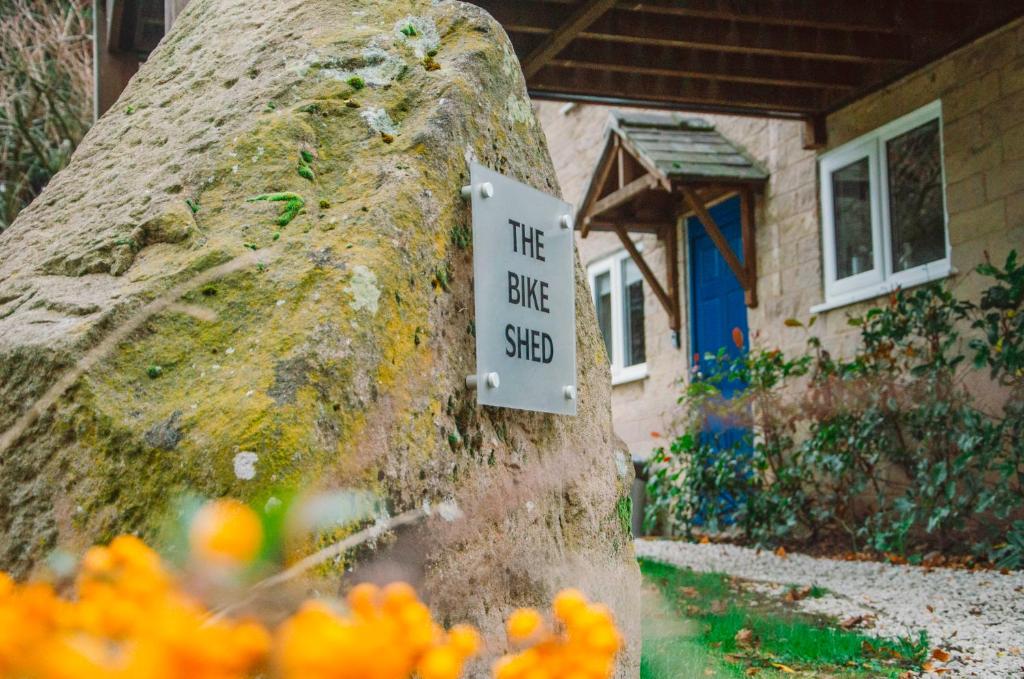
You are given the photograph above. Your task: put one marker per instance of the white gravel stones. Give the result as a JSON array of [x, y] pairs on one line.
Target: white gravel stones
[[977, 616]]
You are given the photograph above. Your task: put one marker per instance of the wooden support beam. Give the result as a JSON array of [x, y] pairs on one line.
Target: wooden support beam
[[815, 133], [912, 17], [749, 231], [561, 81], [622, 168], [644, 162], [623, 195], [648, 275], [587, 13], [609, 224], [597, 183], [765, 40], [115, 24], [619, 65], [112, 68], [697, 205], [684, 63], [671, 239]]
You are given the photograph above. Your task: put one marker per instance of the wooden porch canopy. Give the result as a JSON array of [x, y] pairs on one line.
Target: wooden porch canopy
[[781, 58], [655, 168]]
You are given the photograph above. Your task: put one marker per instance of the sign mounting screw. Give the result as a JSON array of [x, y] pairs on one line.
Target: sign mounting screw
[[569, 392], [566, 221], [486, 190], [492, 380]]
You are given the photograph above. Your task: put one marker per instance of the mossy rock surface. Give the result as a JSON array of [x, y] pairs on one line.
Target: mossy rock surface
[[162, 334]]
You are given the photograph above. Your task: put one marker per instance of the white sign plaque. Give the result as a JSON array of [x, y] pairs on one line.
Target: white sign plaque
[[524, 285]]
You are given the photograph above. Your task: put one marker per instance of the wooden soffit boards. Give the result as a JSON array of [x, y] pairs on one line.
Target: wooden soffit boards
[[785, 58]]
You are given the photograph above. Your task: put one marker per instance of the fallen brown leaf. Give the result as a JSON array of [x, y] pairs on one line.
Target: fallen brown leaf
[[718, 606], [931, 609], [751, 671], [689, 592], [896, 559], [785, 668], [797, 594], [704, 539], [853, 621], [940, 655], [745, 637], [781, 553]]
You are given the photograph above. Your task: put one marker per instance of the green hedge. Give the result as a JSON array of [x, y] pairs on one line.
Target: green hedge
[[888, 448]]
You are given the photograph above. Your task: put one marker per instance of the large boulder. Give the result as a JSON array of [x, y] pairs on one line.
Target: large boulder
[[163, 333]]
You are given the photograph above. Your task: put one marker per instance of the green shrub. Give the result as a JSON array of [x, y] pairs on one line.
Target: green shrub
[[887, 447]]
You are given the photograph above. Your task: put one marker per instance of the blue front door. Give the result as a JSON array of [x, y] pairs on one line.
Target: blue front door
[[719, 312], [718, 318]]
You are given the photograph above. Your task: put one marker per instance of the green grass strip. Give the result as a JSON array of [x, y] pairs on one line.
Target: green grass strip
[[717, 611]]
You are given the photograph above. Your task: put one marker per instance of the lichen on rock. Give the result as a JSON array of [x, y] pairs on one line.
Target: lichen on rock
[[346, 325], [364, 290]]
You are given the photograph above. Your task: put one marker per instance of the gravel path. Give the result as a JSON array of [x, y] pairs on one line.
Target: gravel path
[[978, 617]]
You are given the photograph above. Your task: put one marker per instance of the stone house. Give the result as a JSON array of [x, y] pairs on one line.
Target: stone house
[[832, 112], [832, 236]]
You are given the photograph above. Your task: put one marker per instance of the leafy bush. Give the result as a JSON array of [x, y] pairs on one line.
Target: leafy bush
[[888, 447], [45, 94]]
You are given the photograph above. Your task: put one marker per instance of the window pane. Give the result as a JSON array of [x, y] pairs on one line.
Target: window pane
[[915, 197], [632, 314], [603, 302], [851, 198]]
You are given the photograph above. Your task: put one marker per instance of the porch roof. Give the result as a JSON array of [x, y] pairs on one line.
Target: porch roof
[[646, 161], [686, 148], [655, 168]]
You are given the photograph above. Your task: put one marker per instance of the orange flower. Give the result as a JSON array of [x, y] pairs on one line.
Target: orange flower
[[584, 649], [130, 618], [226, 532], [523, 624], [387, 634]]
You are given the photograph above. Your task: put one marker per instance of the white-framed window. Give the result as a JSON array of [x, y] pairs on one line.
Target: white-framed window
[[618, 290], [883, 210]]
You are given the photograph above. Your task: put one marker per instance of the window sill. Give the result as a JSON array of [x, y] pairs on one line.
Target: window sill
[[633, 373], [884, 288]]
